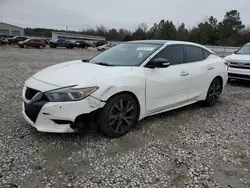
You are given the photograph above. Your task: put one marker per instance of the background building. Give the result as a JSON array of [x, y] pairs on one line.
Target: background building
[[75, 36], [8, 29]]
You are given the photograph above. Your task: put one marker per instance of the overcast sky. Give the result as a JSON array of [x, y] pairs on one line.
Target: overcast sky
[[80, 14]]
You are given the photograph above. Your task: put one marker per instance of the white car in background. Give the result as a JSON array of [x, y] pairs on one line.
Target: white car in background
[[105, 47], [239, 63], [123, 85]]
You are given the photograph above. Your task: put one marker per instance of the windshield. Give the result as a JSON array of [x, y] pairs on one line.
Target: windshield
[[244, 50], [126, 54]]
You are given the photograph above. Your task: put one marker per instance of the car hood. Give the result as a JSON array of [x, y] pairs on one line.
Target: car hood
[[77, 73], [238, 57]]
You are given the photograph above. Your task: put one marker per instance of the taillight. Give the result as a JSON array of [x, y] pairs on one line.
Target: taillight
[[227, 65]]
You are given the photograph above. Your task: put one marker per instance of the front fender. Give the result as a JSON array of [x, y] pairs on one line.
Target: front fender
[[108, 92]]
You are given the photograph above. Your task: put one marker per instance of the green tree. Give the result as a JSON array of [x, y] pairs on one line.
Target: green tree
[[182, 33], [230, 26], [166, 30]]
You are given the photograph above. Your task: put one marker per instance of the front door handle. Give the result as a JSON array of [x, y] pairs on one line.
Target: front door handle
[[184, 73], [210, 68]]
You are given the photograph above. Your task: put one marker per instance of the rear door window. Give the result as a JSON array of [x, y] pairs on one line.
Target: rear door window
[[194, 53]]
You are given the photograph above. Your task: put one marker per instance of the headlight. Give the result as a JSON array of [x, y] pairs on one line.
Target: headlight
[[69, 94]]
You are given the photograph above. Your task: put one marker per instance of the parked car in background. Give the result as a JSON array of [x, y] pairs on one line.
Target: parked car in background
[[123, 85], [36, 43], [3, 40], [16, 39], [47, 41], [105, 47], [81, 44], [62, 43], [100, 43], [239, 63]]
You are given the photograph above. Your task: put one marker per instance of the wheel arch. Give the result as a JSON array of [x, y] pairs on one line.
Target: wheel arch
[[131, 94], [221, 80], [204, 95]]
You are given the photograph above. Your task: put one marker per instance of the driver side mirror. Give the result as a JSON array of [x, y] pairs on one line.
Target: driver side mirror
[[235, 52], [158, 63]]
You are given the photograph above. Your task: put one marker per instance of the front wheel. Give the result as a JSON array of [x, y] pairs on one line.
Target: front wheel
[[118, 116], [213, 93]]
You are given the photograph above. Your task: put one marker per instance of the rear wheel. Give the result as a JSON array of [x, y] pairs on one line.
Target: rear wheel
[[213, 93], [25, 46], [41, 47], [118, 115]]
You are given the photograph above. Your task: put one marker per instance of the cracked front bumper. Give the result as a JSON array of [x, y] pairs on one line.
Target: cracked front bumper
[[43, 119]]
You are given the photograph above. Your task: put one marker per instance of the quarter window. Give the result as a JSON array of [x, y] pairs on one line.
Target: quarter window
[[206, 53], [173, 53], [194, 54]]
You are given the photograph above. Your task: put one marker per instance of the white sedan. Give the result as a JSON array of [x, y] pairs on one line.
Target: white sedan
[[117, 88], [105, 47]]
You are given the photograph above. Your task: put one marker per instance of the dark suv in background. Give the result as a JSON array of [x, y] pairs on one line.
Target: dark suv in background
[[62, 43], [81, 44], [16, 39]]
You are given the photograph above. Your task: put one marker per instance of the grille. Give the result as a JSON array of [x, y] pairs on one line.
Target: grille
[[33, 109], [30, 93], [240, 65]]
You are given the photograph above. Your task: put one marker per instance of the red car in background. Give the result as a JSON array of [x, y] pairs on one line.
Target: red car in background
[[36, 43], [3, 40]]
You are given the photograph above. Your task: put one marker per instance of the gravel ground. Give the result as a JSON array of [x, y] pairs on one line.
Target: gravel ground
[[188, 147]]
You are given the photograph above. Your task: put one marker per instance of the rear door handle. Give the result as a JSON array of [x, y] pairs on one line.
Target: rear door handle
[[184, 73], [210, 68]]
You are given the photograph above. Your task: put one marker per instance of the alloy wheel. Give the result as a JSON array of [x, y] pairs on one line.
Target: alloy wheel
[[121, 116], [214, 91]]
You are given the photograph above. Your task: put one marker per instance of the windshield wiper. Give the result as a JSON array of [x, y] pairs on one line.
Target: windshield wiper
[[103, 64], [85, 60]]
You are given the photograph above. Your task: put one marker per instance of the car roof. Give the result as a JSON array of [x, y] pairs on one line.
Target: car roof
[[162, 42], [150, 41]]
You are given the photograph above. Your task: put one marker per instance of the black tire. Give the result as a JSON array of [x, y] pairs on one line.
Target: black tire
[[53, 46], [229, 80], [213, 93], [118, 116]]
